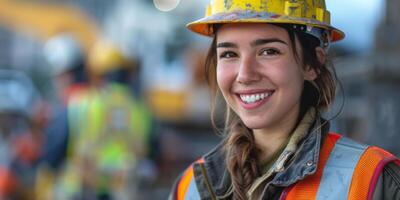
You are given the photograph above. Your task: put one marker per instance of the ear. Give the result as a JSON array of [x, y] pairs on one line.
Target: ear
[[310, 74], [321, 54]]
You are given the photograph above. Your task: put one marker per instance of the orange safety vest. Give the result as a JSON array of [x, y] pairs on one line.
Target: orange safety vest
[[346, 170], [186, 185]]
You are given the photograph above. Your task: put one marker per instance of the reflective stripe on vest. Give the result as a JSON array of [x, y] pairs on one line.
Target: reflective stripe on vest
[[336, 178], [346, 170], [187, 188]]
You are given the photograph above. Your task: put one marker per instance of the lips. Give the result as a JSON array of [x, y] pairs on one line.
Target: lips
[[254, 99], [251, 98]]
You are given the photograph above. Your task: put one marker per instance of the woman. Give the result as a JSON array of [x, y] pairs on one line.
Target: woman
[[268, 60]]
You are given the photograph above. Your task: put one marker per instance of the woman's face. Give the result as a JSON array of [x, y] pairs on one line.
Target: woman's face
[[258, 74]]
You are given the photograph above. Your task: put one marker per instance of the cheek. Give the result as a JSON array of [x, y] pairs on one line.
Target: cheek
[[225, 78], [292, 80], [294, 84], [288, 76]]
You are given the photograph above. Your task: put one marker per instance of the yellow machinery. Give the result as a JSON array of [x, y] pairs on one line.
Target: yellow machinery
[[46, 20]]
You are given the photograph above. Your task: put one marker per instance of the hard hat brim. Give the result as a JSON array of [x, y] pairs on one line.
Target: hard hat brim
[[203, 26]]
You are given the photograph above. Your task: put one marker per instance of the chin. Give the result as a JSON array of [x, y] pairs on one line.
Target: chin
[[254, 124]]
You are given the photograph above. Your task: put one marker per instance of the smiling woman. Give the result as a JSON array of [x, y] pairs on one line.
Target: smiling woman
[[261, 80], [258, 75], [268, 60]]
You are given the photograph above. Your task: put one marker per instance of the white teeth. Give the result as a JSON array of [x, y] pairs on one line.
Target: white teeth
[[254, 97]]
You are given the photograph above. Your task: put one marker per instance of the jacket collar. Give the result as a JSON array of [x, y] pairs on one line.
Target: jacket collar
[[303, 162]]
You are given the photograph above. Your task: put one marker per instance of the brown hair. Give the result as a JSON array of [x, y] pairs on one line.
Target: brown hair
[[241, 151]]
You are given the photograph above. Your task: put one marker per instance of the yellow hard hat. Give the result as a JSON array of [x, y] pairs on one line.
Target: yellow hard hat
[[105, 57], [311, 16]]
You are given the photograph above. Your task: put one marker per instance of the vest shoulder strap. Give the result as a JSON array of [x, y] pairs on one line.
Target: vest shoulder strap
[[186, 187], [367, 172], [346, 170]]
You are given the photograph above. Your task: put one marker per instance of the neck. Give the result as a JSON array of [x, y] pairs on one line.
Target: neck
[[270, 143], [270, 140]]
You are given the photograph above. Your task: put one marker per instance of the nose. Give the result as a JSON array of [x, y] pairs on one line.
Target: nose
[[247, 71]]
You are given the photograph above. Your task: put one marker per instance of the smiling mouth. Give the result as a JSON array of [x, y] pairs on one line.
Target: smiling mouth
[[253, 98]]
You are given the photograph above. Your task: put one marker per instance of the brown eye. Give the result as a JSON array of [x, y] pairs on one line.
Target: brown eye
[[228, 54], [270, 52]]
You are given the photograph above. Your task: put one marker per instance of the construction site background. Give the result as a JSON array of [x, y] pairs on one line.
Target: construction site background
[[160, 69]]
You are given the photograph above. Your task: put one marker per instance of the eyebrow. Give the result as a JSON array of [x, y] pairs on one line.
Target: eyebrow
[[226, 45], [253, 43], [266, 41]]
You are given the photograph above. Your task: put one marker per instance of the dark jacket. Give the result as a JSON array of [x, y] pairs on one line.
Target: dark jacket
[[213, 180]]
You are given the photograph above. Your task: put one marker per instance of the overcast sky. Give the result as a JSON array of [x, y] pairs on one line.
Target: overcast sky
[[358, 19]]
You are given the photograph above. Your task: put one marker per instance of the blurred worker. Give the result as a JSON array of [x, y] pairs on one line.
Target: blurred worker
[[109, 132], [19, 142], [66, 60]]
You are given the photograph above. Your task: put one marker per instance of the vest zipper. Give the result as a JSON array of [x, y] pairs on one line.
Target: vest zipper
[[209, 188]]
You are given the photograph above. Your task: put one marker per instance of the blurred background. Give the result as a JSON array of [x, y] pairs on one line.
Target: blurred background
[[106, 99]]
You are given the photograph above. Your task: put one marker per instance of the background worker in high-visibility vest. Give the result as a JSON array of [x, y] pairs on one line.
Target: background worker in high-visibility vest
[[268, 59], [109, 129], [66, 59], [20, 138]]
